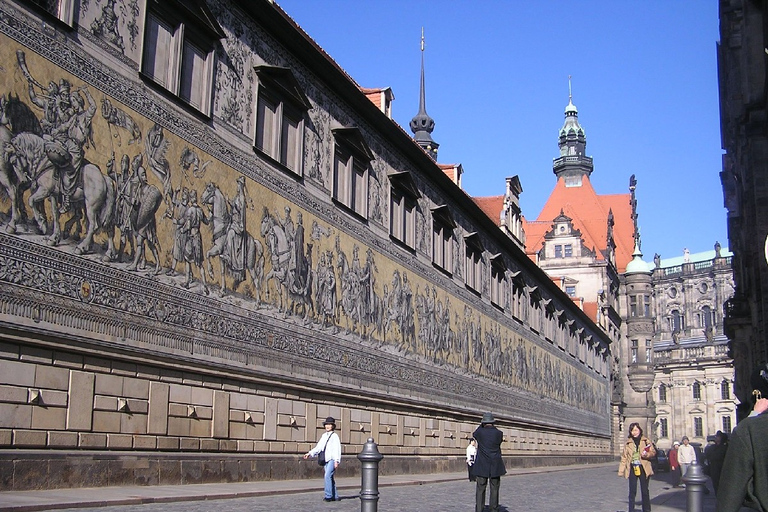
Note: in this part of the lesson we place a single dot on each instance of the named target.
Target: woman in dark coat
(488, 466)
(715, 456)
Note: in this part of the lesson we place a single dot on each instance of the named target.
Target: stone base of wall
(23, 470)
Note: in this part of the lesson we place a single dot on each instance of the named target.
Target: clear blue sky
(644, 82)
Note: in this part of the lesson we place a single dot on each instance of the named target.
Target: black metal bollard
(369, 488)
(695, 485)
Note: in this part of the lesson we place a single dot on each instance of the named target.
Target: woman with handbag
(636, 465)
(328, 451)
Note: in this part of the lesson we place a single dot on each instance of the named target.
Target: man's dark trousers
(482, 481)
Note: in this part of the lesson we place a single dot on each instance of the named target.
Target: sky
(644, 80)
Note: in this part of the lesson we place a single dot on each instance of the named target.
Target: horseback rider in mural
(287, 225)
(156, 146)
(79, 133)
(234, 246)
(67, 130)
(48, 103)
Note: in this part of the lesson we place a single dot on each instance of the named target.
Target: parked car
(661, 461)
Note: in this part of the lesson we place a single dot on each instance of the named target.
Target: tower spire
(573, 163)
(637, 265)
(633, 205)
(421, 124)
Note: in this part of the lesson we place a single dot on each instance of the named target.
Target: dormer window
(473, 262)
(63, 10)
(351, 163)
(178, 50)
(280, 110)
(402, 208)
(498, 280)
(442, 238)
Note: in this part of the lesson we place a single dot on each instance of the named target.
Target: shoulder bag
(321, 456)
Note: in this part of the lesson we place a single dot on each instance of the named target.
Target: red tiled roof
(590, 309)
(453, 171)
(373, 94)
(589, 212)
(491, 206)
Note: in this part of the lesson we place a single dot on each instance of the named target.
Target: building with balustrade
(693, 386)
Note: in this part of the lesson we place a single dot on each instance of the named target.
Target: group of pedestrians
(738, 468)
(484, 460)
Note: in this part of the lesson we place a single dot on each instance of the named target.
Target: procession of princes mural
(149, 204)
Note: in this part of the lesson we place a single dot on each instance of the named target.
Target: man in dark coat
(744, 477)
(488, 466)
(715, 455)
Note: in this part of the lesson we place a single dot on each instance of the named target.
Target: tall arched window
(706, 314)
(698, 426)
(696, 391)
(725, 390)
(663, 427)
(662, 393)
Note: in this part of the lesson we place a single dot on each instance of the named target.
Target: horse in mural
(279, 249)
(291, 284)
(27, 158)
(237, 252)
(15, 117)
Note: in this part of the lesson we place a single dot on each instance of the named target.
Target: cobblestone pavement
(589, 489)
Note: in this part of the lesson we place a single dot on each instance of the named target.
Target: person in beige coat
(636, 465)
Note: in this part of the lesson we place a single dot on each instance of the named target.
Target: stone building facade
(694, 383)
(212, 238)
(664, 318)
(744, 133)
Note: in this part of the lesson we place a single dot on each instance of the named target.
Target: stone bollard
(369, 488)
(695, 485)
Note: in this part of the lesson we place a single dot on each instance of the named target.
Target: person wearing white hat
(328, 450)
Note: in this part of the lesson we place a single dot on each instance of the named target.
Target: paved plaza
(572, 489)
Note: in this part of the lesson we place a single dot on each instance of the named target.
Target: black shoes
(328, 499)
